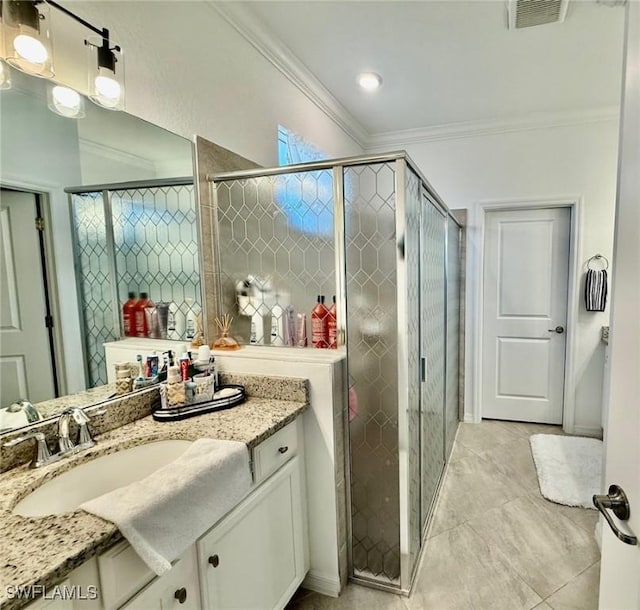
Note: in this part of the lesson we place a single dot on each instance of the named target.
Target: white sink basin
(66, 492)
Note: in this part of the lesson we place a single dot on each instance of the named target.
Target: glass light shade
(27, 37)
(5, 76)
(65, 101)
(106, 82)
(369, 81)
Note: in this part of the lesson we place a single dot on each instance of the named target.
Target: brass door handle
(616, 500)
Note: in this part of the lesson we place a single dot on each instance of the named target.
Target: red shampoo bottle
(129, 316)
(332, 325)
(320, 324)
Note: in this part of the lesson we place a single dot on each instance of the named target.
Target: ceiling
(446, 62)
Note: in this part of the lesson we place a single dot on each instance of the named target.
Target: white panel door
(25, 363)
(526, 266)
(620, 566)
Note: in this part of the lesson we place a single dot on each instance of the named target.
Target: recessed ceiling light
(369, 81)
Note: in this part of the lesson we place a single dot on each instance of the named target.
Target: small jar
(124, 383)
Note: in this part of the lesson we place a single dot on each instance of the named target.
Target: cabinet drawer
(269, 455)
(178, 589)
(122, 574)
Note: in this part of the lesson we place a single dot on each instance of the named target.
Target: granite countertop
(43, 550)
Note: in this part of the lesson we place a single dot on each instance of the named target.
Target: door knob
(616, 500)
(557, 329)
(181, 595)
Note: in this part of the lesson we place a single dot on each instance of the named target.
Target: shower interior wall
(372, 231)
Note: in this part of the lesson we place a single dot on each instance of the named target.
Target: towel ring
(598, 257)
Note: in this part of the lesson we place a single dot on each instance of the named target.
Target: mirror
(90, 209)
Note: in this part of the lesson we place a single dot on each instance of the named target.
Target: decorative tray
(226, 397)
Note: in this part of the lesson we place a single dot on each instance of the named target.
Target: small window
(293, 148)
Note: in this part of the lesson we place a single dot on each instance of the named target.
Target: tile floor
(495, 542)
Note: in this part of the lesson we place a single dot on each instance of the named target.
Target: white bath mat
(569, 468)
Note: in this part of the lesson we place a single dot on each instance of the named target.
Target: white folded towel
(166, 512)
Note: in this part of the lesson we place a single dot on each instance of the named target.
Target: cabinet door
(178, 589)
(254, 559)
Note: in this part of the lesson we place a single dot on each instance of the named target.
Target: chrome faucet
(43, 455)
(84, 437)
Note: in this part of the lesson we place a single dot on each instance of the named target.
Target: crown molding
(245, 22)
(115, 154)
(469, 129)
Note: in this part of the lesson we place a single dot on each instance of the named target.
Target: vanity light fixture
(65, 101)
(28, 47)
(369, 81)
(106, 72)
(27, 37)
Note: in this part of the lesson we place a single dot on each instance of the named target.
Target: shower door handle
(616, 500)
(423, 369)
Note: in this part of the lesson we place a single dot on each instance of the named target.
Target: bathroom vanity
(255, 556)
(323, 427)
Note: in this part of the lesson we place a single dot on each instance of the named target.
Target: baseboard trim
(595, 431)
(321, 583)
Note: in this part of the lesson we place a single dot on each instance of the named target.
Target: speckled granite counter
(42, 551)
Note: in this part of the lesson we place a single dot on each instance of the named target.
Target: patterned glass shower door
(140, 239)
(372, 332)
(432, 337)
(94, 281)
(453, 334)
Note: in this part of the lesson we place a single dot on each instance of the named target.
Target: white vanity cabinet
(177, 589)
(256, 557)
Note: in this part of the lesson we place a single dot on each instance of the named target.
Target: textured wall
(189, 71)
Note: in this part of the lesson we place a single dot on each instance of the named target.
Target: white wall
(190, 72)
(560, 162)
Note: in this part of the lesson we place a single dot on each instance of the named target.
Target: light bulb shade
(369, 81)
(65, 101)
(27, 37)
(5, 76)
(106, 74)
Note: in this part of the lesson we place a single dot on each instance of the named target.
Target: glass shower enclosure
(372, 231)
(131, 237)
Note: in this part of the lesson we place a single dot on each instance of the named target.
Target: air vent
(527, 13)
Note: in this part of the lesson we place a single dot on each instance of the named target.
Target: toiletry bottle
(257, 328)
(176, 393)
(142, 328)
(290, 321)
(332, 323)
(319, 324)
(128, 315)
(277, 325)
(190, 327)
(301, 330)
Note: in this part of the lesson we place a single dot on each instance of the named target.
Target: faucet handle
(43, 455)
(84, 436)
(79, 416)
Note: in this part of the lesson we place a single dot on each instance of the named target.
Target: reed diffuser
(225, 341)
